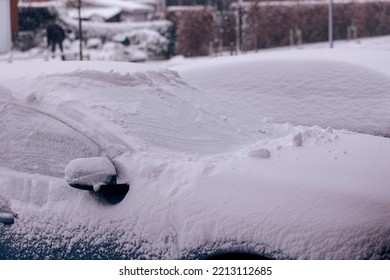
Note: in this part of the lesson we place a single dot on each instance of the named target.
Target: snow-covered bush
(94, 43)
(153, 37)
(109, 51)
(150, 40)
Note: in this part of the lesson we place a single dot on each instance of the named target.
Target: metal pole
(331, 23)
(238, 26)
(80, 31)
(5, 23)
(163, 5)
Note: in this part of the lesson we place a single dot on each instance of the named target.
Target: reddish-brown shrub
(269, 24)
(194, 29)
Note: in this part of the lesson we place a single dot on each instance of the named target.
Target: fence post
(354, 32)
(298, 34)
(291, 35)
(331, 23)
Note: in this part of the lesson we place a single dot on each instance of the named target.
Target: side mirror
(7, 216)
(95, 174)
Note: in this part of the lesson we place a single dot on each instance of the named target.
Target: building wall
(5, 23)
(14, 17)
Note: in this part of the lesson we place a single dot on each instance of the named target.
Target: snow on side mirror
(95, 174)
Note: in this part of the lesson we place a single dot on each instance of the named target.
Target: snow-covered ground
(222, 154)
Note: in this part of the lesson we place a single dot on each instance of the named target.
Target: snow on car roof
(87, 13)
(334, 88)
(126, 6)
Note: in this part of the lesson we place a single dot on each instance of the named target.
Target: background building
(5, 23)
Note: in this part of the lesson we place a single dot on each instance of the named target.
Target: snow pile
(155, 108)
(148, 39)
(295, 137)
(95, 171)
(136, 45)
(260, 153)
(95, 14)
(110, 29)
(297, 140)
(121, 41)
(94, 43)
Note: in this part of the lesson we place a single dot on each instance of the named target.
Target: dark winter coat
(55, 34)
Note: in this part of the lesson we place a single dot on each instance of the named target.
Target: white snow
(94, 43)
(93, 13)
(297, 140)
(127, 6)
(260, 153)
(93, 171)
(208, 167)
(110, 29)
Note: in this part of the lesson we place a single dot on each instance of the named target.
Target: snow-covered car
(277, 154)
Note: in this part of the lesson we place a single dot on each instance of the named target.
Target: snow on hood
(5, 94)
(209, 171)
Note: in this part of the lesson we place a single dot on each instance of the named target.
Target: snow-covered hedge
(194, 29)
(110, 29)
(269, 24)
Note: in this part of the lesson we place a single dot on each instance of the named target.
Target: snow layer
(95, 13)
(301, 88)
(208, 171)
(34, 141)
(110, 29)
(127, 6)
(93, 171)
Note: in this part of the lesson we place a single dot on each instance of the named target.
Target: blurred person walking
(55, 36)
